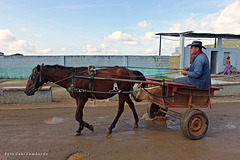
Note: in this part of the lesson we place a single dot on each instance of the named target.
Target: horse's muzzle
(30, 92)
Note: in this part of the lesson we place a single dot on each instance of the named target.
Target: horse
(83, 89)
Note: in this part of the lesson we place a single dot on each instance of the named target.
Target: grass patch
(54, 85)
(168, 78)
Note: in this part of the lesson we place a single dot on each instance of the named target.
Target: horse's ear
(38, 67)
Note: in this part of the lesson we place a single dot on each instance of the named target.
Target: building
(217, 55)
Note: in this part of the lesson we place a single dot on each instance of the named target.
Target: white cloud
(62, 49)
(224, 21)
(37, 36)
(95, 49)
(124, 38)
(113, 51)
(150, 51)
(119, 36)
(131, 43)
(45, 51)
(175, 28)
(149, 36)
(21, 46)
(144, 24)
(9, 43)
(24, 29)
(7, 36)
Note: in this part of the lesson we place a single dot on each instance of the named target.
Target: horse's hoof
(77, 134)
(135, 126)
(109, 131)
(91, 128)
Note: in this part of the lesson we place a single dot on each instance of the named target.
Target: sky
(107, 27)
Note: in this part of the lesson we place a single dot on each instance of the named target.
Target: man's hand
(186, 68)
(184, 73)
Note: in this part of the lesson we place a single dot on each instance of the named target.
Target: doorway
(213, 68)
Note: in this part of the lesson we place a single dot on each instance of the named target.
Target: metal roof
(201, 35)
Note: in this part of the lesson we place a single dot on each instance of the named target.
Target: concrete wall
(21, 66)
(174, 63)
(16, 95)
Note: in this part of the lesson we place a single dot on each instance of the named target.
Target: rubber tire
(152, 109)
(188, 117)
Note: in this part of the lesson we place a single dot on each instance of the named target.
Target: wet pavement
(50, 132)
(45, 131)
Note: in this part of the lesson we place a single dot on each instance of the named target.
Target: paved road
(49, 133)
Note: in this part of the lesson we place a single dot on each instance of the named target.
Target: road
(50, 132)
(46, 131)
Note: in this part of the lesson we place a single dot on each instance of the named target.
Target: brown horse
(63, 76)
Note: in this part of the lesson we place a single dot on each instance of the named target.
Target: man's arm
(197, 70)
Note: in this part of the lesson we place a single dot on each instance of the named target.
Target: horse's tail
(137, 87)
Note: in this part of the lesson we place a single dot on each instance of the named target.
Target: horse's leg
(79, 115)
(132, 106)
(120, 111)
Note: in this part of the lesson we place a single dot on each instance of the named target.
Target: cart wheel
(194, 124)
(153, 110)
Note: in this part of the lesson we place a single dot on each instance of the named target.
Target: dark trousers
(183, 80)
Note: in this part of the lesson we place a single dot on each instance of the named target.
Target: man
(198, 73)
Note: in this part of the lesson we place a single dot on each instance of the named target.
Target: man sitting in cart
(198, 74)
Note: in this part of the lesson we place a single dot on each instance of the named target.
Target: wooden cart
(167, 94)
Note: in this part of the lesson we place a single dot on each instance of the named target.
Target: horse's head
(35, 80)
(139, 94)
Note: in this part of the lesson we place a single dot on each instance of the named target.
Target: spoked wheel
(154, 110)
(194, 124)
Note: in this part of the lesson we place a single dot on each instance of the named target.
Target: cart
(167, 95)
(164, 95)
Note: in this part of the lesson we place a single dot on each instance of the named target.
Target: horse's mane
(74, 69)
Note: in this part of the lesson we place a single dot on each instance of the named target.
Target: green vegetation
(54, 85)
(227, 43)
(164, 77)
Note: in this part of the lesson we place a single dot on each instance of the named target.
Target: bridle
(35, 78)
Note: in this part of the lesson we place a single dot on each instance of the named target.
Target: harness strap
(91, 72)
(156, 95)
(78, 90)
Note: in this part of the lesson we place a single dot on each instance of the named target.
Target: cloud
(37, 36)
(95, 49)
(45, 51)
(9, 43)
(62, 49)
(7, 36)
(149, 36)
(175, 28)
(21, 46)
(124, 38)
(119, 36)
(144, 24)
(131, 43)
(150, 51)
(228, 20)
(224, 21)
(24, 29)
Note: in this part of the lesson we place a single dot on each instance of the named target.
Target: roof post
(181, 49)
(219, 44)
(160, 45)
